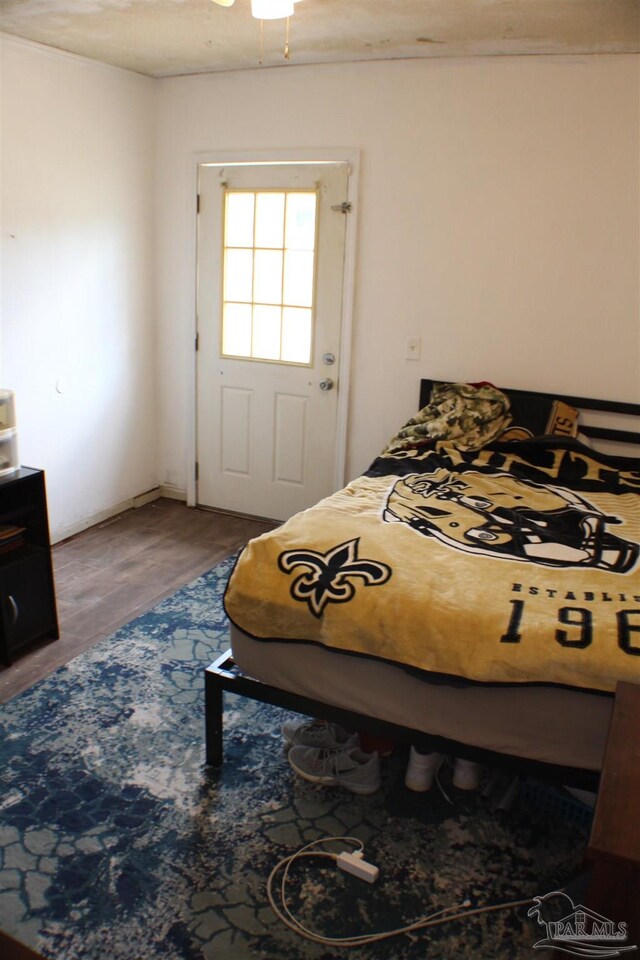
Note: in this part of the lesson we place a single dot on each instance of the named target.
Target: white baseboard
(147, 497)
(173, 493)
(63, 533)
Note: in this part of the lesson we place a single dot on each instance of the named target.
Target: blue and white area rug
(117, 843)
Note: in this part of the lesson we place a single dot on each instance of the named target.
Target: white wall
(498, 220)
(77, 271)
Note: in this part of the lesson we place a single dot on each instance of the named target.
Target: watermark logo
(579, 931)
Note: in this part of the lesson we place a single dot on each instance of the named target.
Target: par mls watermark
(580, 932)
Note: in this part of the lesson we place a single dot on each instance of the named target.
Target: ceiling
(163, 38)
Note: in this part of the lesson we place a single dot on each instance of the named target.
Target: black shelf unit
(27, 590)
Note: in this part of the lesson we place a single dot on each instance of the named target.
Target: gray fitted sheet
(550, 724)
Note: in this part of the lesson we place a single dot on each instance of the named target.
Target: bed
(476, 591)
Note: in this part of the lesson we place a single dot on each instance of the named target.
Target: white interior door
(271, 241)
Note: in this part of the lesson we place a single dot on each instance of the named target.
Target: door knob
(326, 384)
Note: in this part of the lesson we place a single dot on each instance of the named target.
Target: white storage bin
(8, 451)
(8, 433)
(7, 410)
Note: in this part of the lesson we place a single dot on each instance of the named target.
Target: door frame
(253, 158)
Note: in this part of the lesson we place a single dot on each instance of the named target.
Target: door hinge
(197, 342)
(198, 203)
(345, 207)
(197, 471)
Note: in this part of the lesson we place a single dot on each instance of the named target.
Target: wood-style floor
(114, 571)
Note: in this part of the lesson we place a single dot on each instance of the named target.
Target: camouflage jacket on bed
(466, 415)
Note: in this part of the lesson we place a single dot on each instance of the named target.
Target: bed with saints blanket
(479, 584)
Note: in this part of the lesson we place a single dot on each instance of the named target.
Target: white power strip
(355, 864)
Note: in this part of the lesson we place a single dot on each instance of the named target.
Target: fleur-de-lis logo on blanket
(329, 575)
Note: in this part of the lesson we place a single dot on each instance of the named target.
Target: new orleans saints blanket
(515, 564)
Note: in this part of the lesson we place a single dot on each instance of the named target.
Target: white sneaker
(317, 733)
(466, 774)
(350, 768)
(421, 770)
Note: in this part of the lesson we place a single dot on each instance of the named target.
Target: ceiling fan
(265, 9)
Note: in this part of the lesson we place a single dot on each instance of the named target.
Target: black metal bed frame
(224, 676)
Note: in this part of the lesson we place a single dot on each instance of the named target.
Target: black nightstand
(27, 592)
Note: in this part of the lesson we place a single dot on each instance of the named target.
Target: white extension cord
(353, 862)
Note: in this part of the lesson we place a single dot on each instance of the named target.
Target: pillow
(536, 416)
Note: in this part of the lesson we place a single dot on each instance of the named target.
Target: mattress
(516, 564)
(551, 724)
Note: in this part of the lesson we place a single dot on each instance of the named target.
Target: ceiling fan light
(224, 3)
(271, 9)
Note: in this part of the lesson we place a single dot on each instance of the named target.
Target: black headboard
(580, 403)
